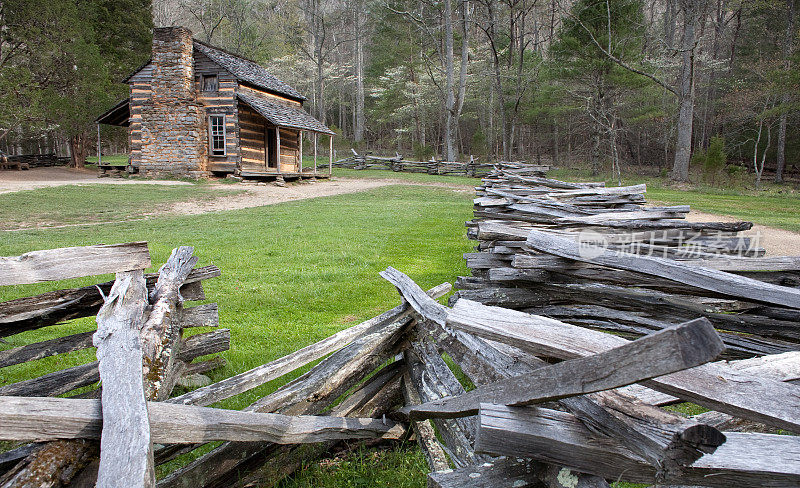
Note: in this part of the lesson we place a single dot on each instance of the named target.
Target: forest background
(681, 88)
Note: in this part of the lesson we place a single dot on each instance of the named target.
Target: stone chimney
(173, 127)
(173, 63)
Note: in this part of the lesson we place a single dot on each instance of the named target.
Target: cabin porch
(271, 139)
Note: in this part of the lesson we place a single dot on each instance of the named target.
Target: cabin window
(210, 83)
(216, 135)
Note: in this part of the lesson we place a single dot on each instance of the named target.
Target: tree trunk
(787, 64)
(450, 99)
(683, 147)
(555, 141)
(498, 80)
(709, 113)
(79, 150)
(669, 24)
(358, 129)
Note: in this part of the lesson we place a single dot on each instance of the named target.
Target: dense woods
(665, 86)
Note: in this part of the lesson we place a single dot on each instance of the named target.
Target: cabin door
(270, 143)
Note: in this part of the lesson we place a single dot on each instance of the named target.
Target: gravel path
(777, 242)
(11, 180)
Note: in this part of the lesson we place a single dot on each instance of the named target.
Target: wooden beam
(126, 454)
(62, 418)
(73, 262)
(205, 315)
(539, 433)
(275, 369)
(55, 383)
(50, 308)
(315, 153)
(330, 157)
(662, 438)
(68, 379)
(161, 332)
(99, 147)
(45, 349)
(309, 394)
(416, 297)
(375, 398)
(513, 473)
(704, 278)
(203, 344)
(714, 386)
(300, 143)
(433, 380)
(482, 362)
(684, 346)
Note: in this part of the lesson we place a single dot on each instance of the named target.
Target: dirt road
(46, 177)
(777, 242)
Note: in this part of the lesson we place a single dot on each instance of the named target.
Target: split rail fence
(472, 168)
(558, 401)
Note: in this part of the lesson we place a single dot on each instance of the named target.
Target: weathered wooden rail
(472, 168)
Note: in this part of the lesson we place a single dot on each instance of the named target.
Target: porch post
(315, 154)
(330, 158)
(278, 137)
(300, 141)
(99, 151)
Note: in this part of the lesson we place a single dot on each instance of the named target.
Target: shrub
(711, 160)
(422, 152)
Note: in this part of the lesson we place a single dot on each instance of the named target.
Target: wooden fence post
(126, 453)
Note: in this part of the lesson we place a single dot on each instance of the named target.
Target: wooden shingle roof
(282, 115)
(248, 71)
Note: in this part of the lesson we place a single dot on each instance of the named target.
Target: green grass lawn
(370, 174)
(73, 204)
(292, 274)
(112, 159)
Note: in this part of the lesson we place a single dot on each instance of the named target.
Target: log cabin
(197, 110)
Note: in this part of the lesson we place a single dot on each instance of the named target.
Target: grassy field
(292, 274)
(73, 204)
(113, 159)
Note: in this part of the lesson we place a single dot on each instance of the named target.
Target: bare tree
(691, 10)
(788, 44)
(358, 24)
